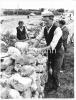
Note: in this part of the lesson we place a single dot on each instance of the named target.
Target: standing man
(65, 33)
(21, 31)
(53, 37)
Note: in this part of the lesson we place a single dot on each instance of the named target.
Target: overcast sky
(35, 4)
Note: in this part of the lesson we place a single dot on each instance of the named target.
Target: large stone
(4, 93)
(14, 52)
(26, 70)
(25, 60)
(5, 62)
(9, 70)
(7, 93)
(20, 83)
(22, 46)
(13, 94)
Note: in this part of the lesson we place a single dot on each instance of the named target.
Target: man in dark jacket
(21, 31)
(53, 37)
(65, 33)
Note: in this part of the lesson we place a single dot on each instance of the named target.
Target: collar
(21, 29)
(50, 28)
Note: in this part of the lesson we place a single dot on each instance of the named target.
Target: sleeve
(40, 36)
(17, 32)
(57, 36)
(25, 29)
(26, 32)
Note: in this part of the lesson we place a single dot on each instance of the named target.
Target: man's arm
(39, 37)
(57, 36)
(26, 32)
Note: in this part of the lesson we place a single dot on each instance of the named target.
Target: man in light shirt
(53, 37)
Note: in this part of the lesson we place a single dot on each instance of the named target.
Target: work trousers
(54, 62)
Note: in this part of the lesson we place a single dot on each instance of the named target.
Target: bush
(8, 39)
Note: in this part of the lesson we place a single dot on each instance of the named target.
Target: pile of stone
(23, 74)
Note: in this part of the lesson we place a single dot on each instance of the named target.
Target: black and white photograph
(37, 49)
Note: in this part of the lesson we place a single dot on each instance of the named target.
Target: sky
(36, 4)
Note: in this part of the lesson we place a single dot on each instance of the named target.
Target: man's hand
(36, 42)
(44, 50)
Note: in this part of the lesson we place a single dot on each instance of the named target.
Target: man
(21, 31)
(65, 33)
(53, 36)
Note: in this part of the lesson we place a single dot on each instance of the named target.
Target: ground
(66, 89)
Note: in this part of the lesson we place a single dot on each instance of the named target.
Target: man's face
(21, 24)
(48, 21)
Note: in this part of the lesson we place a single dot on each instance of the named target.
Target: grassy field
(66, 89)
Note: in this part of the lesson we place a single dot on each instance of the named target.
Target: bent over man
(53, 37)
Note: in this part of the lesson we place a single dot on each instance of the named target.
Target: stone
(14, 52)
(26, 70)
(27, 93)
(4, 93)
(14, 94)
(5, 62)
(39, 68)
(22, 46)
(20, 83)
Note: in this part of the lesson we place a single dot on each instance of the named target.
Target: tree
(60, 10)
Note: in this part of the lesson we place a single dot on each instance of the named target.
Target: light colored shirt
(57, 36)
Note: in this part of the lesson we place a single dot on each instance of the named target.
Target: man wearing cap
(53, 37)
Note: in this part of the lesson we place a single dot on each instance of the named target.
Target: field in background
(11, 22)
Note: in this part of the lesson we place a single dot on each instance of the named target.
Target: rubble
(14, 94)
(23, 73)
(26, 70)
(4, 93)
(22, 46)
(20, 83)
(14, 52)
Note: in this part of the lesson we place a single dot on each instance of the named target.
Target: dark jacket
(49, 36)
(21, 35)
